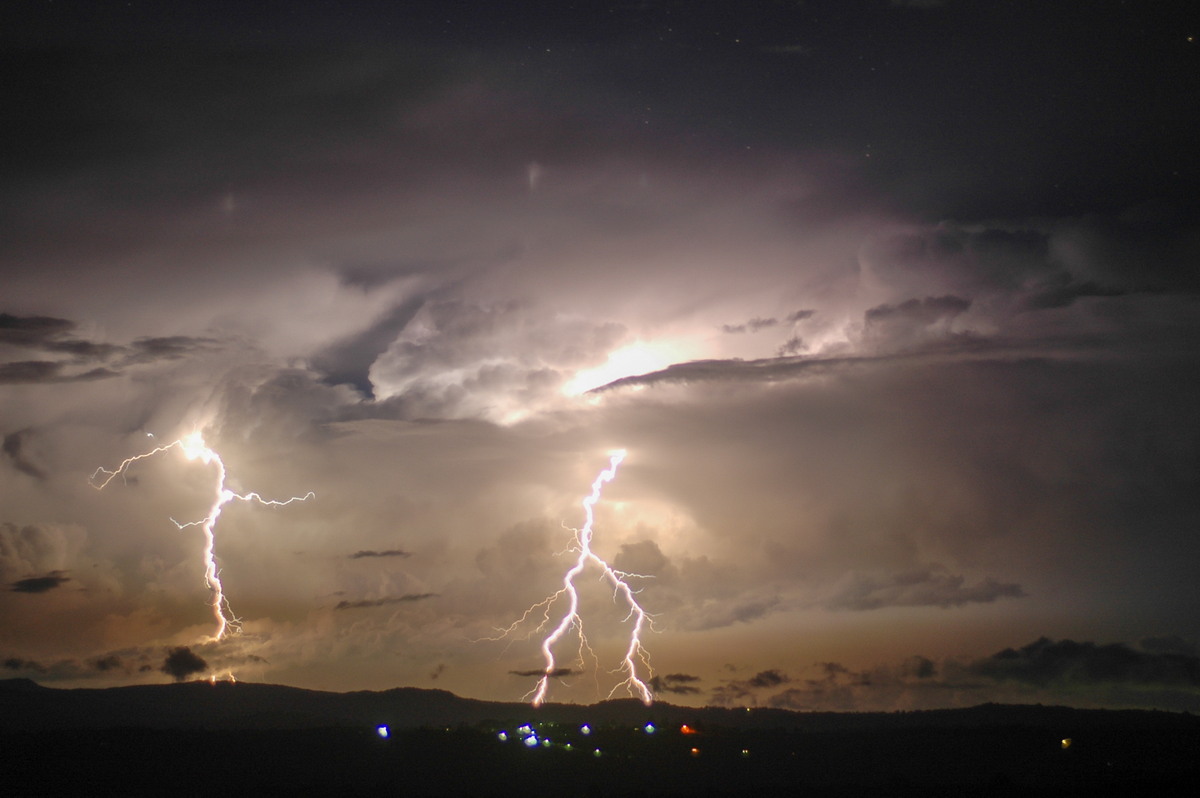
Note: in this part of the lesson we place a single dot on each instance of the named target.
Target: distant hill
(207, 739)
(27, 706)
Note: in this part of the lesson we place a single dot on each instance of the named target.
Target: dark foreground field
(983, 751)
(1010, 761)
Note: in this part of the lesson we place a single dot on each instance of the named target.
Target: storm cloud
(182, 662)
(898, 382)
(40, 584)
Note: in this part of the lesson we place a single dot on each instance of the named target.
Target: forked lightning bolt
(582, 546)
(194, 448)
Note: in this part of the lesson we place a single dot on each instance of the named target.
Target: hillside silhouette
(199, 738)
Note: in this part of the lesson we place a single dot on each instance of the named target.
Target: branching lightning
(194, 448)
(571, 620)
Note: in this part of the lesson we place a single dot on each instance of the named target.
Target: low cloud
(1158, 673)
(677, 683)
(367, 553)
(47, 371)
(1046, 662)
(40, 584)
(382, 602)
(769, 678)
(553, 674)
(747, 690)
(107, 663)
(182, 662)
(912, 322)
(14, 446)
(171, 347)
(930, 586)
(752, 326)
(85, 360)
(48, 334)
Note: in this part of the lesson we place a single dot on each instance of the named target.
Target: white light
(382, 731)
(637, 358)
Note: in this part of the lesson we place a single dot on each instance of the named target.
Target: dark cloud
(754, 325)
(25, 371)
(18, 664)
(930, 586)
(553, 674)
(49, 335)
(771, 678)
(166, 348)
(913, 321)
(368, 278)
(1061, 291)
(47, 371)
(738, 690)
(34, 332)
(382, 602)
(1172, 644)
(349, 361)
(14, 447)
(921, 667)
(40, 584)
(676, 683)
(791, 347)
(106, 663)
(182, 662)
(1046, 662)
(365, 553)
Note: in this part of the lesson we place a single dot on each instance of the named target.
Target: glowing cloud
(194, 448)
(637, 358)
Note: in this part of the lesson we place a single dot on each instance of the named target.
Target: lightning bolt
(571, 619)
(194, 448)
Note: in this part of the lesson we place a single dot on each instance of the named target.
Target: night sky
(892, 304)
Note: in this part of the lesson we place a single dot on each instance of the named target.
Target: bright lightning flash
(194, 448)
(582, 546)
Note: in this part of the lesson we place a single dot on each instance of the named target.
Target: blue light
(382, 731)
(503, 736)
(649, 728)
(531, 740)
(585, 729)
